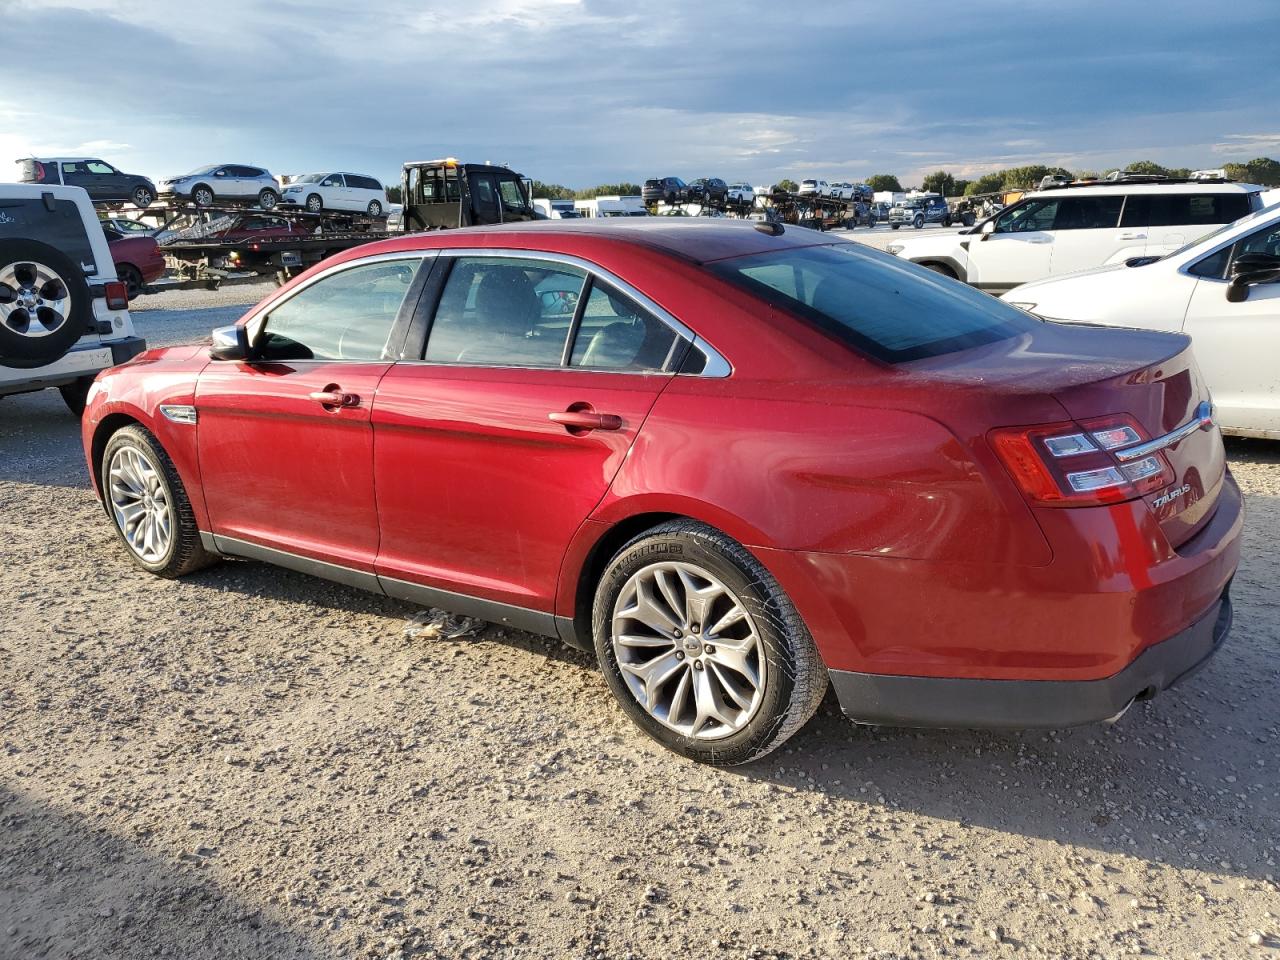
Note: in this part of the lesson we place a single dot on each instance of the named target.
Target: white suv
(1078, 227)
(1222, 290)
(336, 191)
(819, 187)
(64, 315)
(741, 193)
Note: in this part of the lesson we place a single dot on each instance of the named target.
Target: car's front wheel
(148, 504)
(202, 196)
(919, 223)
(701, 646)
(314, 203)
(142, 197)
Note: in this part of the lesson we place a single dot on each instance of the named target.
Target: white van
(352, 192)
(68, 315)
(616, 206)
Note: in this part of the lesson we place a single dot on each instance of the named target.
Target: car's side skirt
(519, 618)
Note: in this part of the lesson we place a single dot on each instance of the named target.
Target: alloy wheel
(140, 504)
(688, 650)
(34, 299)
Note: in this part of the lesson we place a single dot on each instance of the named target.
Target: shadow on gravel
(253, 579)
(1248, 450)
(75, 890)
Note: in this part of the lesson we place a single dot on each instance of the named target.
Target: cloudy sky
(587, 91)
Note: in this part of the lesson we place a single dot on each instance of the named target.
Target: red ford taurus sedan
(736, 461)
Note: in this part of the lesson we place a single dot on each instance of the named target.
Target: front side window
(333, 180)
(505, 311)
(616, 333)
(1029, 217)
(345, 316)
(512, 195)
(891, 310)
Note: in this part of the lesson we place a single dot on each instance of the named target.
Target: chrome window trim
(716, 365)
(253, 326)
(1201, 420)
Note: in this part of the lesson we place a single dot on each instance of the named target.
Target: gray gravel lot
(251, 763)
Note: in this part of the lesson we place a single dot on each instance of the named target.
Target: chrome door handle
(582, 421)
(331, 396)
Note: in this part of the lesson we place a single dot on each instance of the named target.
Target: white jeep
(64, 316)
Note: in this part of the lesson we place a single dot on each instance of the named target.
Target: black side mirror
(1249, 270)
(230, 343)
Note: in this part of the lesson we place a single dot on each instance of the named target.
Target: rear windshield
(889, 308)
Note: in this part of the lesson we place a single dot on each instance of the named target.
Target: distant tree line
(1263, 171)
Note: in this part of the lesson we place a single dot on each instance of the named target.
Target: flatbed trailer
(197, 256)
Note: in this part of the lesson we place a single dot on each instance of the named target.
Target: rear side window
(883, 306)
(363, 183)
(498, 311)
(616, 333)
(1183, 209)
(1087, 213)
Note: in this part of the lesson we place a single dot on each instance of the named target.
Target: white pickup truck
(64, 315)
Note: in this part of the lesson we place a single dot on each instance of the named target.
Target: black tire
(795, 676)
(968, 219)
(268, 198)
(202, 195)
(918, 223)
(19, 260)
(75, 394)
(894, 226)
(941, 268)
(185, 553)
(314, 203)
(374, 209)
(142, 196)
(946, 221)
(131, 277)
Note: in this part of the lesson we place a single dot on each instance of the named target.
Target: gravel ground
(251, 763)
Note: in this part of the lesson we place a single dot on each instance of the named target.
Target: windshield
(311, 178)
(893, 310)
(204, 171)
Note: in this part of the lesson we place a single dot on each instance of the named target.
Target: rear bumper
(939, 702)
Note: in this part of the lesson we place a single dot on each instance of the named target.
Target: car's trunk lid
(1095, 372)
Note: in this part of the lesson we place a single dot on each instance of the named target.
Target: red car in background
(257, 226)
(138, 260)
(738, 462)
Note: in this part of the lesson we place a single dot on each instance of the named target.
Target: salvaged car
(738, 461)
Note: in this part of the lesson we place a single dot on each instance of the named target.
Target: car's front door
(333, 193)
(285, 443)
(492, 452)
(1237, 344)
(1018, 250)
(1085, 234)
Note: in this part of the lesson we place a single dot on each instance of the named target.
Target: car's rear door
(1085, 233)
(1176, 219)
(494, 449)
(285, 443)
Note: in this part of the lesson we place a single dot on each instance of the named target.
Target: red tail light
(40, 172)
(117, 295)
(1072, 464)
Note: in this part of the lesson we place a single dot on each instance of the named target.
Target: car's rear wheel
(374, 209)
(148, 505)
(131, 277)
(268, 198)
(44, 304)
(701, 646)
(202, 196)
